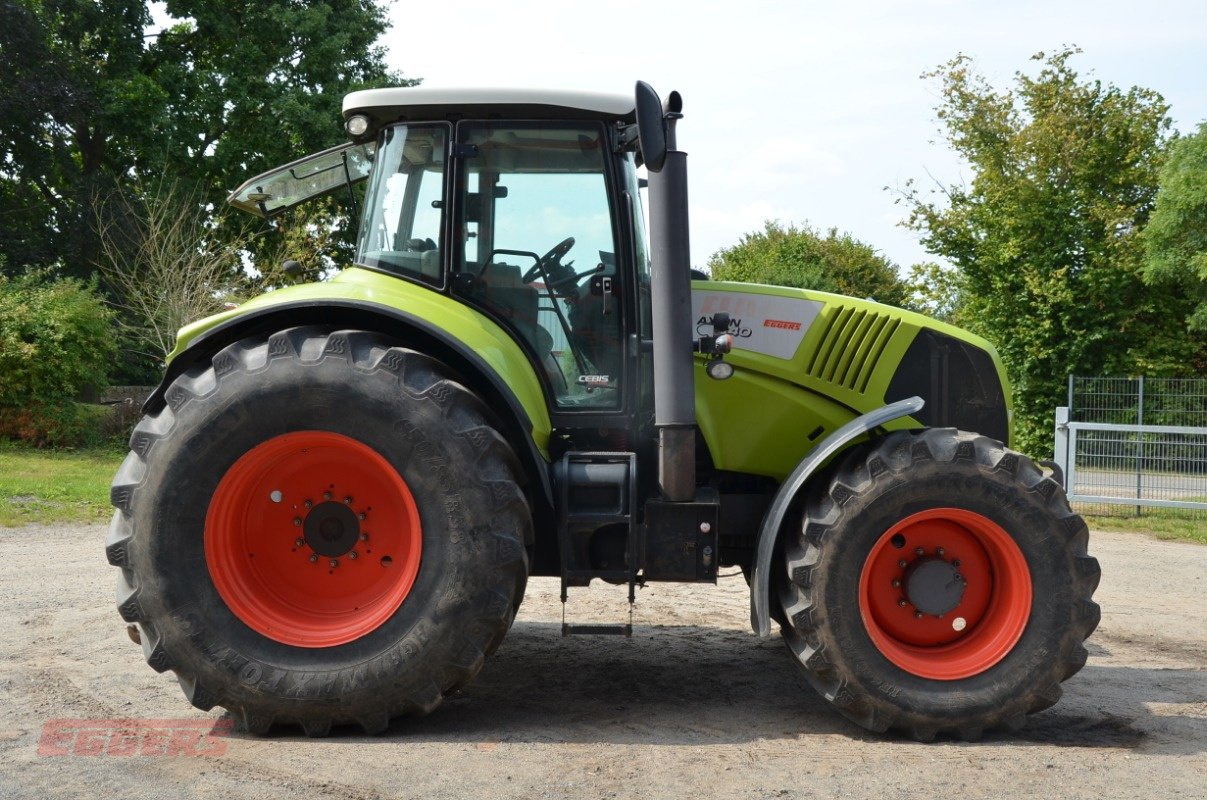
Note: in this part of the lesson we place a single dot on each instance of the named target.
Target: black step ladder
(596, 490)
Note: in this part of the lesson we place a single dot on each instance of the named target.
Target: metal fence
(1138, 442)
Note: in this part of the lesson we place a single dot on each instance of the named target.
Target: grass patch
(1178, 525)
(44, 486)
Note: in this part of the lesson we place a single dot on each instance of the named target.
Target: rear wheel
(319, 528)
(940, 584)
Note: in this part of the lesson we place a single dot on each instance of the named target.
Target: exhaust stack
(674, 390)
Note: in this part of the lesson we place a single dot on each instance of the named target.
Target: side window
(404, 209)
(540, 251)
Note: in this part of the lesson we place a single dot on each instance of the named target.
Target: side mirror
(651, 127)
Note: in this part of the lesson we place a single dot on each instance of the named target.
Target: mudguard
(760, 582)
(483, 353)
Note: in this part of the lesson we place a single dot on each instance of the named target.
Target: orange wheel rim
(313, 539)
(945, 594)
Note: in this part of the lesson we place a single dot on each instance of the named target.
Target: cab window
(540, 252)
(404, 208)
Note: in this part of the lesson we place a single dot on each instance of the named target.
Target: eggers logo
(782, 324)
(134, 737)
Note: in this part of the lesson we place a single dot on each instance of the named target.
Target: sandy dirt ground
(693, 705)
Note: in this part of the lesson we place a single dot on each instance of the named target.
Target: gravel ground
(693, 704)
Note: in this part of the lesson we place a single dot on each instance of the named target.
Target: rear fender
(526, 425)
(773, 522)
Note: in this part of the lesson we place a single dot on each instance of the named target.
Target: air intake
(851, 343)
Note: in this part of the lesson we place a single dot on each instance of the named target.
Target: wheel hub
(331, 529)
(313, 539)
(945, 593)
(933, 586)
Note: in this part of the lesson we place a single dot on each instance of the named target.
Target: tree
(1176, 237)
(90, 99)
(167, 263)
(1045, 237)
(936, 291)
(803, 258)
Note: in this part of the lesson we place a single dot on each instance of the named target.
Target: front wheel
(319, 528)
(939, 584)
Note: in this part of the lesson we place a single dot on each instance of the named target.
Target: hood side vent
(850, 346)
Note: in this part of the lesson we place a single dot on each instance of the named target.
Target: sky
(802, 111)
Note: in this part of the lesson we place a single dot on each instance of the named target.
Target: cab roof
(414, 103)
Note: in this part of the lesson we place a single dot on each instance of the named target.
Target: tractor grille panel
(850, 346)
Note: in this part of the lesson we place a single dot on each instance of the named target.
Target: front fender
(773, 521)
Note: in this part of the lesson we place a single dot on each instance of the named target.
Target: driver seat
(509, 297)
(504, 292)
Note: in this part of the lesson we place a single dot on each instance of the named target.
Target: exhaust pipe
(670, 289)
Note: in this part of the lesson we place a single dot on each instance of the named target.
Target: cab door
(536, 247)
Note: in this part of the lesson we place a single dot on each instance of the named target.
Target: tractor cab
(528, 210)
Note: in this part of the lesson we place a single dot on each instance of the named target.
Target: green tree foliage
(1176, 237)
(936, 291)
(804, 258)
(232, 87)
(56, 340)
(1045, 237)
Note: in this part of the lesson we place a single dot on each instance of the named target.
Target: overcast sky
(801, 111)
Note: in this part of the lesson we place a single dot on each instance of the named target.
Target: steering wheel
(549, 261)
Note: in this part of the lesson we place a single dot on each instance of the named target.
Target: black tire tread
(891, 459)
(421, 377)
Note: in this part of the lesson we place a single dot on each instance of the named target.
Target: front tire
(319, 528)
(939, 585)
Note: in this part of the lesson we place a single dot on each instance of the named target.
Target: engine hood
(806, 362)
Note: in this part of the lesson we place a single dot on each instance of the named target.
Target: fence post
(1060, 449)
(1140, 445)
(1069, 404)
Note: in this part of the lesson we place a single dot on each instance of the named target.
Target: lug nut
(901, 602)
(940, 550)
(314, 557)
(896, 583)
(299, 541)
(361, 516)
(956, 563)
(297, 522)
(902, 564)
(352, 555)
(917, 615)
(308, 503)
(333, 563)
(348, 500)
(326, 495)
(919, 551)
(364, 537)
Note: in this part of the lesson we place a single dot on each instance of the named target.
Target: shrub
(56, 341)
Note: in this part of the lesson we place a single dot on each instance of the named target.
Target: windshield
(280, 189)
(404, 205)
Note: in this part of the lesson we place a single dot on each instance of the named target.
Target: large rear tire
(319, 528)
(939, 585)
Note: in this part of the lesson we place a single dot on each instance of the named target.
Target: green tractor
(335, 498)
